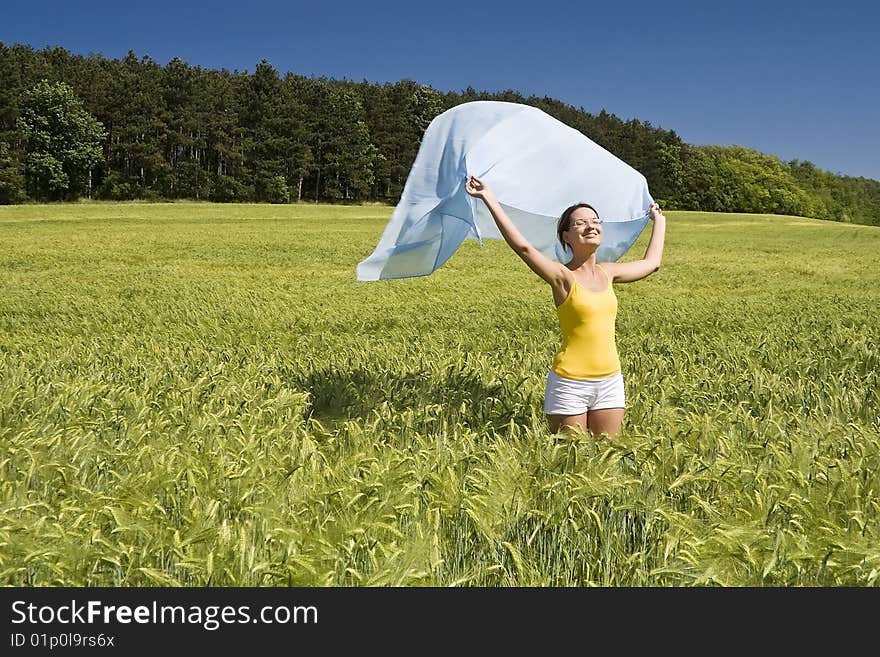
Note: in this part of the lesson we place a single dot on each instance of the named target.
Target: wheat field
(203, 394)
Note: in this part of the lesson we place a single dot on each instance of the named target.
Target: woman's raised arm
(627, 272)
(551, 271)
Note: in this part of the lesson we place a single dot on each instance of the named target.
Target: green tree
(182, 136)
(396, 117)
(343, 154)
(136, 120)
(62, 141)
(11, 180)
(277, 156)
(426, 104)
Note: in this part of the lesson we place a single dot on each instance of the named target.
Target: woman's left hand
(655, 212)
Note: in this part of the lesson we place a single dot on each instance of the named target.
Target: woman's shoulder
(609, 269)
(562, 283)
(567, 276)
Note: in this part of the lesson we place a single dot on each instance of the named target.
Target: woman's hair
(565, 220)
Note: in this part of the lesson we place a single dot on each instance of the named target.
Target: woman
(585, 385)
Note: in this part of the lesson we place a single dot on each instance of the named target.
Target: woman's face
(585, 227)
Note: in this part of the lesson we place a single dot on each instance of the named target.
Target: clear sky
(799, 80)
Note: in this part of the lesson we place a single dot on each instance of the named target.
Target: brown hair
(565, 220)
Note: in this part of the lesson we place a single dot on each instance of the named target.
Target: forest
(74, 127)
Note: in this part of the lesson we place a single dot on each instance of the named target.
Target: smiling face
(584, 227)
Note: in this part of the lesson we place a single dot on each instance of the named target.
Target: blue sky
(792, 79)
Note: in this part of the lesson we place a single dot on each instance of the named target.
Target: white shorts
(575, 396)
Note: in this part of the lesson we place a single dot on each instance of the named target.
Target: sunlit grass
(197, 394)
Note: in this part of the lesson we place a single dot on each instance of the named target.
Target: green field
(197, 394)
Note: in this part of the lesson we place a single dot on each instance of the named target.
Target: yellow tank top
(587, 321)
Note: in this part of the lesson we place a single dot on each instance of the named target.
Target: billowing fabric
(536, 165)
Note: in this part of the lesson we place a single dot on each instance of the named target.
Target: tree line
(75, 126)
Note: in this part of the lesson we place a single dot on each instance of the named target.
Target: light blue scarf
(536, 166)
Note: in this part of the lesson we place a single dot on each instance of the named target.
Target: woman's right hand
(477, 188)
